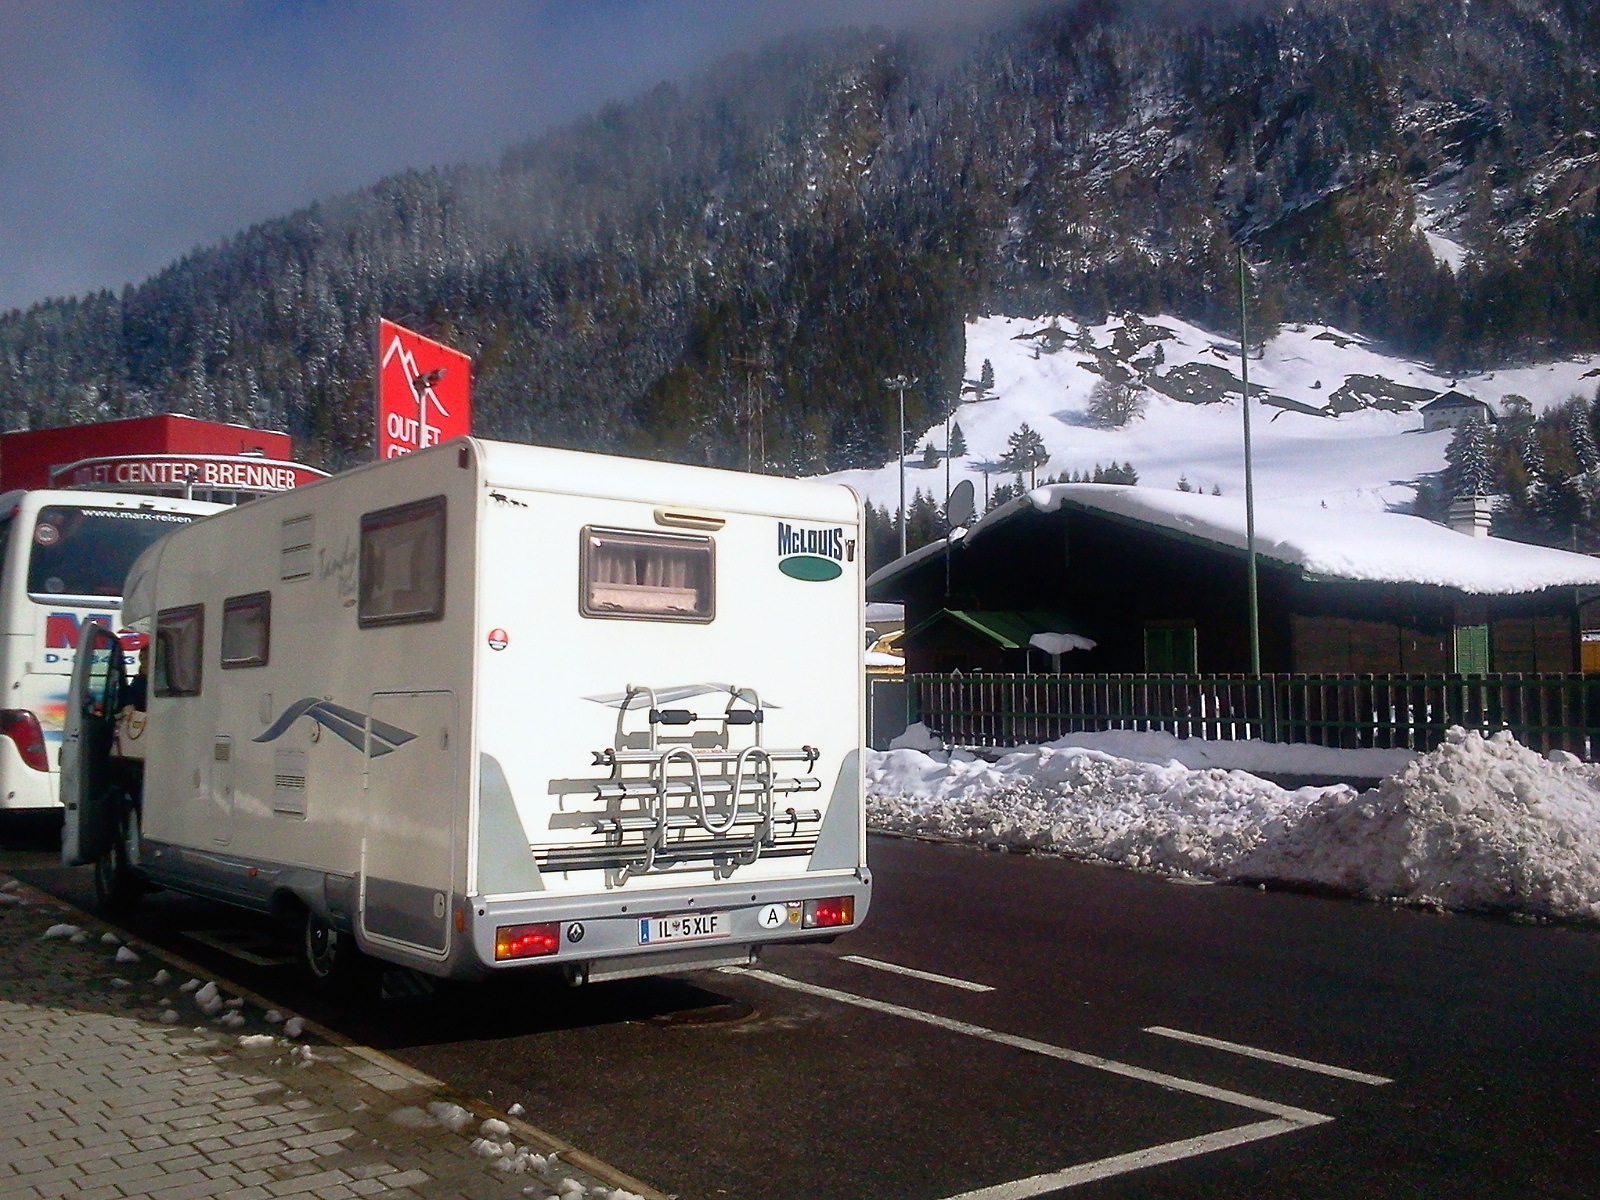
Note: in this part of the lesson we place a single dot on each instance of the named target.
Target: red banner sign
(424, 391)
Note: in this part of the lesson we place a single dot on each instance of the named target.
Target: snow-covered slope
(1334, 423)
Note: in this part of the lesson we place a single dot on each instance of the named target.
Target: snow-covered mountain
(1334, 421)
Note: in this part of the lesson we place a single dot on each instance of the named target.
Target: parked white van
(491, 705)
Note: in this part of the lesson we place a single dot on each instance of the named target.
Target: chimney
(1470, 515)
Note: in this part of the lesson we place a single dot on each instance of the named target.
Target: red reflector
(22, 727)
(527, 941)
(820, 914)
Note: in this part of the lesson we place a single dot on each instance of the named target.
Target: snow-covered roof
(1452, 400)
(1325, 544)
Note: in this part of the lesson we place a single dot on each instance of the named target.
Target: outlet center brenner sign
(424, 392)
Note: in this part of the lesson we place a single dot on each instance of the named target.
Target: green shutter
(1472, 649)
(1169, 649)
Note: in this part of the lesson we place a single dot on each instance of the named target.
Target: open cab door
(91, 824)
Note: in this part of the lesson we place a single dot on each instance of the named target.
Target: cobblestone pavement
(119, 1078)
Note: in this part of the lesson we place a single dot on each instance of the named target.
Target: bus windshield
(88, 551)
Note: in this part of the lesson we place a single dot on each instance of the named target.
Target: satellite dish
(961, 507)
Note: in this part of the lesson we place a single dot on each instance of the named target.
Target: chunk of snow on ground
(162, 977)
(452, 1116)
(412, 1118)
(110, 939)
(274, 1017)
(125, 955)
(294, 1027)
(118, 982)
(169, 1016)
(917, 736)
(231, 1020)
(78, 938)
(60, 931)
(258, 1042)
(485, 1148)
(192, 985)
(493, 1127)
(516, 1110)
(11, 885)
(10, 898)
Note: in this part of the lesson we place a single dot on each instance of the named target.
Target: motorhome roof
(510, 465)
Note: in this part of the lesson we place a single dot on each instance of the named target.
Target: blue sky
(132, 132)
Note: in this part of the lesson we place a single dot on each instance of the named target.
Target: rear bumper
(606, 936)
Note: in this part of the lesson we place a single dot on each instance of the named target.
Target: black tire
(117, 884)
(331, 958)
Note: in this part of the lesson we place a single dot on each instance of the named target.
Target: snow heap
(1480, 823)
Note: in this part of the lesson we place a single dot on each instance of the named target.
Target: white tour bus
(63, 558)
(491, 705)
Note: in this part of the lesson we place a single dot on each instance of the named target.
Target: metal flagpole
(1249, 480)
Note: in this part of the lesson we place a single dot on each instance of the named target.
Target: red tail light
(527, 941)
(22, 727)
(823, 914)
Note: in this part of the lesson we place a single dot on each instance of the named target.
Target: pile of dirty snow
(1480, 823)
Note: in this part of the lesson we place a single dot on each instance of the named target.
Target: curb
(545, 1143)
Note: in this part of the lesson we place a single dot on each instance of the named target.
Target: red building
(164, 455)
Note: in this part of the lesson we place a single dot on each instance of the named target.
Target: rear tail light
(22, 727)
(527, 941)
(823, 914)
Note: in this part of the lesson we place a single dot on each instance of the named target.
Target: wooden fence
(1545, 712)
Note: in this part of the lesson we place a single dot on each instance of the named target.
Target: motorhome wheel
(330, 957)
(117, 885)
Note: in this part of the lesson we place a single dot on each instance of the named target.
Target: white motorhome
(491, 705)
(63, 558)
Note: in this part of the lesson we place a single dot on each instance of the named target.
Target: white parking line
(948, 980)
(1287, 1117)
(1121, 1164)
(1283, 1060)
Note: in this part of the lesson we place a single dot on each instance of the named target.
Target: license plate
(683, 927)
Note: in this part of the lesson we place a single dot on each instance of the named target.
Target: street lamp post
(1249, 481)
(900, 383)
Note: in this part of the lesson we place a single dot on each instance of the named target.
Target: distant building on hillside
(1132, 579)
(1452, 409)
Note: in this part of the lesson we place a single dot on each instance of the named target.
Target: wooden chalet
(1156, 581)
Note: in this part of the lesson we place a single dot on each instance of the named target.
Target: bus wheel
(331, 958)
(117, 885)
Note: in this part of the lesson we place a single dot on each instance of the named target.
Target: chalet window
(1169, 648)
(180, 639)
(647, 576)
(246, 630)
(402, 564)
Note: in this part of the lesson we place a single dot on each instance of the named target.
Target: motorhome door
(88, 730)
(408, 859)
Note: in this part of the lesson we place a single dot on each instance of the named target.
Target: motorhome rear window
(246, 630)
(402, 564)
(180, 638)
(648, 576)
(87, 551)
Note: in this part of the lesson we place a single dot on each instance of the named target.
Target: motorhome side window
(648, 576)
(402, 564)
(180, 638)
(246, 630)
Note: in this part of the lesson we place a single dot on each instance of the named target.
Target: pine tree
(1025, 452)
(1469, 465)
(958, 441)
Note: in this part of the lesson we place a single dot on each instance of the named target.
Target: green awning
(1008, 630)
